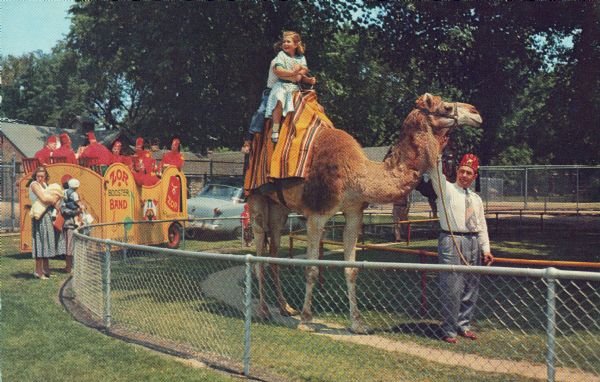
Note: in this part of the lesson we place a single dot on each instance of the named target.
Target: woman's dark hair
(33, 174)
(40, 169)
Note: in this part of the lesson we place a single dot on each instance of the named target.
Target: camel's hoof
(307, 327)
(288, 311)
(361, 329)
(264, 314)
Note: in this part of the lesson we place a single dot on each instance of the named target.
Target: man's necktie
(470, 218)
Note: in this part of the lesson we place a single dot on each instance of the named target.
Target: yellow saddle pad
(290, 157)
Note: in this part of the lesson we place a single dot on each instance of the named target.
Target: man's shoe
(450, 340)
(468, 334)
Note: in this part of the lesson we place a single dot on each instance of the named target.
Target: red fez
(64, 138)
(91, 137)
(51, 139)
(139, 142)
(65, 178)
(470, 160)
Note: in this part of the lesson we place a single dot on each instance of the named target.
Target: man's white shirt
(455, 204)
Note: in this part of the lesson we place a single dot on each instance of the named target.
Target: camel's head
(443, 116)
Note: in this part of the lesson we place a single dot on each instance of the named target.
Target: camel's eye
(448, 108)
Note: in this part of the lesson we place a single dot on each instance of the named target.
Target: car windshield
(218, 191)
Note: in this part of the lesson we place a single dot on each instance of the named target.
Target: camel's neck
(394, 178)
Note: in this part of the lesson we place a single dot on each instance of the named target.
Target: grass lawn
(161, 296)
(41, 342)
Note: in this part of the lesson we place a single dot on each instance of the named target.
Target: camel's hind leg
(351, 231)
(277, 219)
(315, 225)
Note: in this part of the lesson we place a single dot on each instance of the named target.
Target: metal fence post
(525, 203)
(13, 184)
(242, 233)
(551, 322)
(577, 190)
(547, 188)
(106, 287)
(247, 314)
(126, 241)
(183, 234)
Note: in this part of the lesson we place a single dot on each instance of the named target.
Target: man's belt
(460, 233)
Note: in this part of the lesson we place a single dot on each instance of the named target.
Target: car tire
(237, 232)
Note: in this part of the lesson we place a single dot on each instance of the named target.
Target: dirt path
(219, 286)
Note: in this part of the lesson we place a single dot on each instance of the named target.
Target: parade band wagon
(114, 197)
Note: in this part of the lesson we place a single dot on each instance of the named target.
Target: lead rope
(460, 255)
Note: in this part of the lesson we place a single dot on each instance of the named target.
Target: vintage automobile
(217, 208)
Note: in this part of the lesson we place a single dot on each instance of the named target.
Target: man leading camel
(463, 241)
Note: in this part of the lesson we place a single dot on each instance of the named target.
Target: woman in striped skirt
(43, 238)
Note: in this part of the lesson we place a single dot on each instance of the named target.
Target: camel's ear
(425, 101)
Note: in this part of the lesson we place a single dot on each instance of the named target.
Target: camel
(341, 178)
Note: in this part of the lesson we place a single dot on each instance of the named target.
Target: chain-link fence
(8, 194)
(541, 188)
(532, 323)
(572, 189)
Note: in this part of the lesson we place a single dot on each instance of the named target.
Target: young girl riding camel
(286, 71)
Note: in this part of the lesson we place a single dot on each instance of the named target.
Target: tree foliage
(197, 69)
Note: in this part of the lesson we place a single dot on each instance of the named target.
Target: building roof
(373, 153)
(28, 139)
(376, 154)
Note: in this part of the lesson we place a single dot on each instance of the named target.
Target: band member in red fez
(173, 157)
(470, 161)
(96, 150)
(117, 157)
(47, 152)
(144, 165)
(463, 240)
(65, 150)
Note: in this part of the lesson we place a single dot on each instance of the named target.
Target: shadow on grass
(19, 256)
(23, 276)
(421, 329)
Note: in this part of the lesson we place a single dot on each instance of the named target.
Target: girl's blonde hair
(295, 37)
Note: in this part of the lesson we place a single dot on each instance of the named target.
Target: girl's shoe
(246, 147)
(41, 277)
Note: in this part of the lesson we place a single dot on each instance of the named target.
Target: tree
(486, 53)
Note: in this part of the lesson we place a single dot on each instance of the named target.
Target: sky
(29, 25)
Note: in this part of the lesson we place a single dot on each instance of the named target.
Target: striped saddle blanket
(291, 156)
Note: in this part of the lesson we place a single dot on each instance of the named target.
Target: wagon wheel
(174, 235)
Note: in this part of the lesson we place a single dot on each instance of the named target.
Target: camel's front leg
(284, 308)
(260, 241)
(351, 231)
(259, 215)
(314, 227)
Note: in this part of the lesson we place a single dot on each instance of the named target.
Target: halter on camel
(454, 116)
